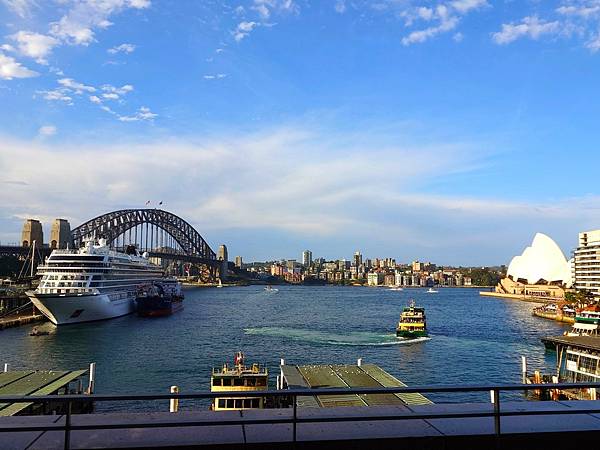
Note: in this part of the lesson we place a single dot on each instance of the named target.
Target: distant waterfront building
(417, 266)
(238, 262)
(60, 234)
(222, 254)
(306, 258)
(357, 259)
(586, 265)
(375, 278)
(32, 231)
(343, 264)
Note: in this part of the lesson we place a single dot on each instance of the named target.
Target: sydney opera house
(540, 271)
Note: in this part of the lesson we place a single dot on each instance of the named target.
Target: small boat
(37, 332)
(159, 300)
(432, 291)
(395, 288)
(270, 289)
(413, 323)
(239, 378)
(220, 284)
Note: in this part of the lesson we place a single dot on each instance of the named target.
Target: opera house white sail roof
(542, 261)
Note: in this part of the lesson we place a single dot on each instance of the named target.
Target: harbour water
(472, 339)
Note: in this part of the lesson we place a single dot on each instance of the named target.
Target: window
(261, 382)
(217, 382)
(221, 403)
(227, 381)
(238, 403)
(230, 403)
(238, 382)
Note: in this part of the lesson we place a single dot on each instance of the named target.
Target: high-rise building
(417, 266)
(32, 231)
(306, 258)
(586, 265)
(238, 261)
(60, 234)
(222, 254)
(357, 259)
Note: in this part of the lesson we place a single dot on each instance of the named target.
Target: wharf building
(586, 262)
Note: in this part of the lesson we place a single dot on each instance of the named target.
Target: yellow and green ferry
(239, 378)
(413, 323)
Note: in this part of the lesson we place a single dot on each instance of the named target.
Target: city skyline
(440, 131)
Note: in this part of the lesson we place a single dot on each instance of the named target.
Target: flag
(159, 203)
(148, 202)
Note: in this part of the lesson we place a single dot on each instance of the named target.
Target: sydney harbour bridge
(164, 236)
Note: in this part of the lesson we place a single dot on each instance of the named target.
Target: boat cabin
(236, 378)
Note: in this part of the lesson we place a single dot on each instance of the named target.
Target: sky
(445, 131)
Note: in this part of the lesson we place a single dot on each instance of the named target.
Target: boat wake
(357, 338)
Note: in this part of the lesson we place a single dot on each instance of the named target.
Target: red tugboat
(160, 299)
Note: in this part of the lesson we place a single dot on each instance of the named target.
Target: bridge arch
(112, 225)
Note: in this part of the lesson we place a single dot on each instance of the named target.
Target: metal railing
(497, 413)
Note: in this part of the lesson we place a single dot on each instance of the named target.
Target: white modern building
(543, 262)
(586, 262)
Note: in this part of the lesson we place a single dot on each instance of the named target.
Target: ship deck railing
(494, 410)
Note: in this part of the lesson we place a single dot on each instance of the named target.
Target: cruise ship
(91, 283)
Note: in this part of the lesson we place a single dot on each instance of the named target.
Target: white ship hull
(62, 310)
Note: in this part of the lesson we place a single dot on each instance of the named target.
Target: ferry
(412, 322)
(432, 291)
(591, 314)
(91, 283)
(239, 377)
(587, 323)
(160, 299)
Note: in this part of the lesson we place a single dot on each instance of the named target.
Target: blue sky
(448, 131)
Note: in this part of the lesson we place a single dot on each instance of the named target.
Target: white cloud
(447, 24)
(532, 27)
(125, 89)
(34, 45)
(265, 8)
(78, 25)
(20, 7)
(243, 29)
(95, 99)
(143, 113)
(217, 76)
(340, 6)
(464, 6)
(47, 130)
(61, 95)
(123, 48)
(111, 96)
(75, 86)
(440, 18)
(458, 37)
(9, 69)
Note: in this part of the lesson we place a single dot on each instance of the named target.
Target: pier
(346, 376)
(30, 383)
